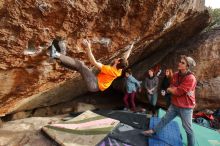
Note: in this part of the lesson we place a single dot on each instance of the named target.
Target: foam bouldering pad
(108, 141)
(136, 120)
(203, 136)
(86, 129)
(129, 135)
(169, 136)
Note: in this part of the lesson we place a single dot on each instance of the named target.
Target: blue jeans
(152, 99)
(186, 116)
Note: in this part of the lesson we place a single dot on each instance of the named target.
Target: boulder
(205, 49)
(31, 80)
(27, 132)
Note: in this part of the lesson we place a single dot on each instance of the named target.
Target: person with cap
(182, 89)
(107, 73)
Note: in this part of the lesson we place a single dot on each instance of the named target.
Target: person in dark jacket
(151, 86)
(132, 85)
(183, 99)
(165, 84)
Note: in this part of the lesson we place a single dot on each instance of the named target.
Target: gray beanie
(190, 61)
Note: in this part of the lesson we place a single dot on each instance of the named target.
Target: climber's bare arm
(92, 59)
(128, 52)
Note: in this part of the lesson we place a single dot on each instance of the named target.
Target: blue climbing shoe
(53, 51)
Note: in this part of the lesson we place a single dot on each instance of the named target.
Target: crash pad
(87, 129)
(203, 136)
(168, 136)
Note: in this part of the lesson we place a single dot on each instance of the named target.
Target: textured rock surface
(205, 50)
(102, 100)
(31, 81)
(27, 132)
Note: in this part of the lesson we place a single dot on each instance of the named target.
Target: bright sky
(212, 3)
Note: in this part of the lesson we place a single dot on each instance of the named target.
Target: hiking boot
(148, 133)
(134, 110)
(125, 109)
(143, 110)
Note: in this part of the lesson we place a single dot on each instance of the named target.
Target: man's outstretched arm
(128, 52)
(91, 56)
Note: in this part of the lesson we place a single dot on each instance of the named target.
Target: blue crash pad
(169, 136)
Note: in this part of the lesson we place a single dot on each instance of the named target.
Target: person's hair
(190, 61)
(123, 63)
(156, 68)
(128, 70)
(152, 71)
(170, 76)
(184, 58)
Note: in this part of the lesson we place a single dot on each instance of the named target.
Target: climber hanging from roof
(107, 73)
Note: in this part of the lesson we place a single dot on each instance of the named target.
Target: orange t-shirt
(107, 75)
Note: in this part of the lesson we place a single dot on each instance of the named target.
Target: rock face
(27, 132)
(30, 79)
(205, 49)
